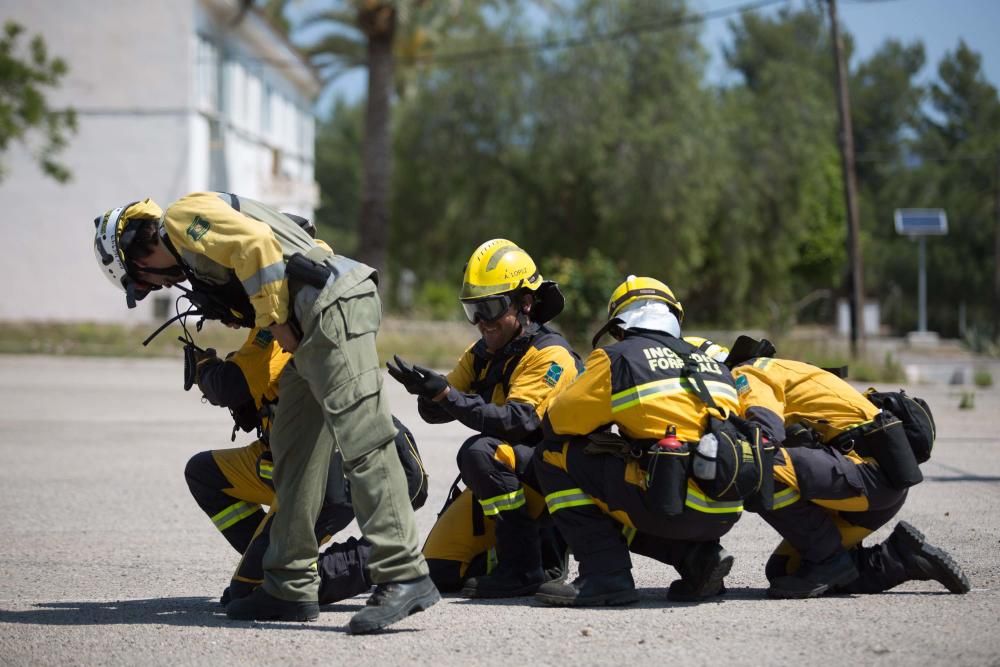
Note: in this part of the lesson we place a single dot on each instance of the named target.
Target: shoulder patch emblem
(742, 385)
(198, 228)
(553, 375)
(263, 338)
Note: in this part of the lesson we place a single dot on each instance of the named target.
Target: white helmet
(114, 232)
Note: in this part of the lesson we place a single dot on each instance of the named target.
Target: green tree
(338, 173)
(586, 284)
(23, 107)
(606, 146)
(778, 233)
(887, 104)
(376, 34)
(959, 150)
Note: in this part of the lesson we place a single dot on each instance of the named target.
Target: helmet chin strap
(130, 299)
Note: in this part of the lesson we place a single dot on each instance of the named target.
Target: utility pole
(856, 281)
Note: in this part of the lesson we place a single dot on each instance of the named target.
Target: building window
(275, 162)
(265, 110)
(207, 78)
(161, 306)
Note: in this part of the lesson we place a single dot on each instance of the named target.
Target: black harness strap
(690, 370)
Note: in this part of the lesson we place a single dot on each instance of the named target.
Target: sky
(940, 24)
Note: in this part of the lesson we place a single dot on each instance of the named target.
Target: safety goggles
(488, 309)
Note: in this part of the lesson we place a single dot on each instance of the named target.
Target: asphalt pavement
(106, 559)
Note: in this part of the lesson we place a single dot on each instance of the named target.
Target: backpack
(918, 422)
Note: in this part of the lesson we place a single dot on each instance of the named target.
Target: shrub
(983, 378)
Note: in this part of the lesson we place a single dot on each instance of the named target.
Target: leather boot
(594, 590)
(924, 562)
(393, 602)
(519, 560)
(702, 570)
(262, 606)
(236, 590)
(815, 579)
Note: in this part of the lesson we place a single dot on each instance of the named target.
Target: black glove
(203, 359)
(193, 356)
(418, 381)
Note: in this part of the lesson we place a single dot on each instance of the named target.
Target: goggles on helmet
(488, 309)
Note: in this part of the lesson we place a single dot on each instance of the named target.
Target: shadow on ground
(184, 611)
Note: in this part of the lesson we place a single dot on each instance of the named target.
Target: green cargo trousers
(331, 396)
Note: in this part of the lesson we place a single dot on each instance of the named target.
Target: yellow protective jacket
(779, 392)
(221, 238)
(505, 394)
(636, 384)
(248, 378)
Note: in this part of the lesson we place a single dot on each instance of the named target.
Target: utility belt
(884, 440)
(736, 468)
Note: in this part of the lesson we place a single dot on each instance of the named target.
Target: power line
(587, 39)
(969, 157)
(546, 45)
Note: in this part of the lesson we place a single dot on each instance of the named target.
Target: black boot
(924, 562)
(261, 606)
(519, 560)
(393, 602)
(815, 579)
(702, 570)
(594, 590)
(236, 590)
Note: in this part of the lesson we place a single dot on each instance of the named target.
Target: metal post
(922, 287)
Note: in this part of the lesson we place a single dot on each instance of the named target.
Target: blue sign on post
(921, 223)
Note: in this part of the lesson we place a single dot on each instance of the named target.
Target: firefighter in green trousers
(325, 310)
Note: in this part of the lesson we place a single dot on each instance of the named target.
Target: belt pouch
(891, 450)
(666, 479)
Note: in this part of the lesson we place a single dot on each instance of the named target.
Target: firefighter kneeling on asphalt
(500, 389)
(611, 492)
(843, 473)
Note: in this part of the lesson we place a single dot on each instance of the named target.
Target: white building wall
(129, 82)
(170, 100)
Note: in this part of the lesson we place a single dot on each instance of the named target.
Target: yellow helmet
(640, 289)
(493, 275)
(497, 267)
(635, 288)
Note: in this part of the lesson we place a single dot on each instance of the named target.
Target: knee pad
(202, 472)
(474, 457)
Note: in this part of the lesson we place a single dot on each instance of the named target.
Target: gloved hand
(417, 380)
(193, 357)
(203, 360)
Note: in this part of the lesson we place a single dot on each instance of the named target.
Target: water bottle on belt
(704, 457)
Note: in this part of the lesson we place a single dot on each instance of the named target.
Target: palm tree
(380, 34)
(376, 34)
